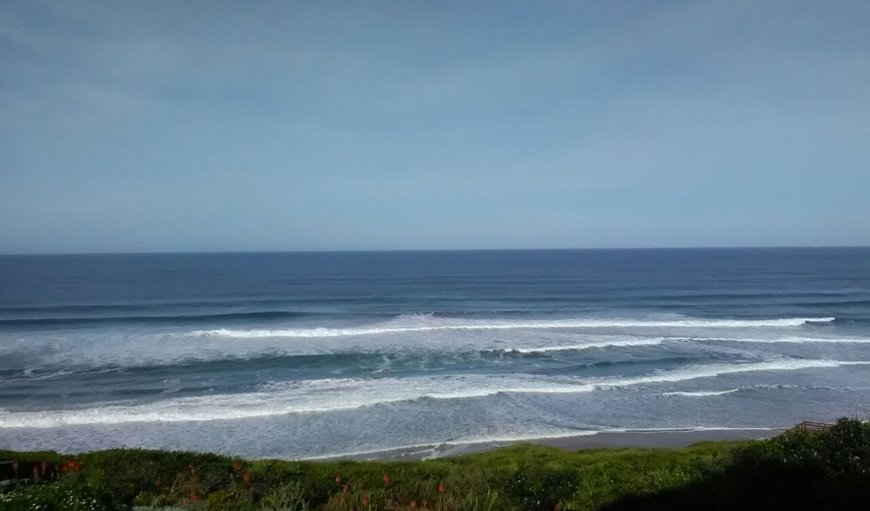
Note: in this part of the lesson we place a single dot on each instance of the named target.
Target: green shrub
(286, 497)
(827, 470)
(55, 496)
(541, 487)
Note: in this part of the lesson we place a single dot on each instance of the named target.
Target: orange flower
(236, 467)
(338, 478)
(386, 478)
(71, 466)
(441, 487)
(246, 478)
(365, 500)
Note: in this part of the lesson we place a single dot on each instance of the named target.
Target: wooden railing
(813, 426)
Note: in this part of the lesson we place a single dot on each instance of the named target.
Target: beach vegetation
(827, 469)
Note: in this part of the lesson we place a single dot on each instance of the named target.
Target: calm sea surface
(317, 354)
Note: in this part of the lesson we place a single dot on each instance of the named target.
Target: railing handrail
(813, 425)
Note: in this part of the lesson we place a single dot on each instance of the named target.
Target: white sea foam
(784, 340)
(591, 345)
(702, 393)
(655, 341)
(710, 370)
(349, 393)
(422, 333)
(749, 388)
(160, 350)
(424, 323)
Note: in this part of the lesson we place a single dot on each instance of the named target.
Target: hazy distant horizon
(412, 250)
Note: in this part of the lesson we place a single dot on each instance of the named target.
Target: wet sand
(638, 439)
(608, 439)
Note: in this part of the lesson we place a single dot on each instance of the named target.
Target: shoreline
(641, 439)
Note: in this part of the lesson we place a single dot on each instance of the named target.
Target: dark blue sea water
(317, 354)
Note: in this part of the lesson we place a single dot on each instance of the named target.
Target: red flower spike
(365, 500)
(236, 467)
(386, 478)
(441, 487)
(344, 490)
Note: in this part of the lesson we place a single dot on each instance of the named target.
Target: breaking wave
(428, 323)
(702, 393)
(312, 396)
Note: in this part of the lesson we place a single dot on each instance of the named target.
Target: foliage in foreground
(826, 470)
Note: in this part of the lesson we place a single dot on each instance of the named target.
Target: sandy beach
(602, 440)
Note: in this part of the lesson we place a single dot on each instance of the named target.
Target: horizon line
(407, 250)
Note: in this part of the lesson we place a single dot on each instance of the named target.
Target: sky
(319, 125)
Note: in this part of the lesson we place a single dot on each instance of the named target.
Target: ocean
(309, 355)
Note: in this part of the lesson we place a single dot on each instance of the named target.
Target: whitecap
(430, 324)
(322, 395)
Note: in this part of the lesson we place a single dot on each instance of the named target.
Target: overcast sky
(188, 126)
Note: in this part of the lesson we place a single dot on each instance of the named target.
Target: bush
(826, 470)
(287, 497)
(61, 495)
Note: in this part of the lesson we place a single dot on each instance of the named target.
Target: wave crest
(312, 396)
(428, 323)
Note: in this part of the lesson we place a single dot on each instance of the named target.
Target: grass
(828, 470)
